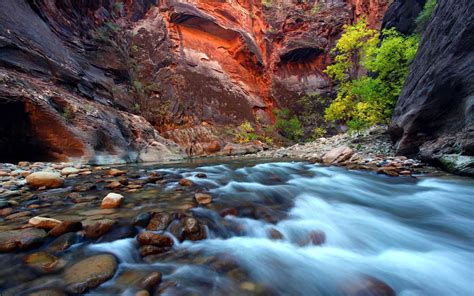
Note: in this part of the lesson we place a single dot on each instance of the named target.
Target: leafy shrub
(246, 133)
(425, 15)
(288, 126)
(310, 107)
(365, 100)
(318, 132)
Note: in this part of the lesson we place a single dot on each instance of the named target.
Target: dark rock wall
(402, 14)
(435, 111)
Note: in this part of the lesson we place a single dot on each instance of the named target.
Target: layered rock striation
(101, 80)
(434, 115)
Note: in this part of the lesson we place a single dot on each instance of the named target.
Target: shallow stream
(301, 229)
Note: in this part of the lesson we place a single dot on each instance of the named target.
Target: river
(304, 229)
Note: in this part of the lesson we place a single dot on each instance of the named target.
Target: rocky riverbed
(370, 150)
(180, 228)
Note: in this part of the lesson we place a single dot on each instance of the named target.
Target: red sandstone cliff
(189, 68)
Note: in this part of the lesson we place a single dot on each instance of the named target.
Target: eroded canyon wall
(434, 116)
(109, 76)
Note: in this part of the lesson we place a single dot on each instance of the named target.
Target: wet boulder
(63, 242)
(98, 228)
(185, 182)
(114, 185)
(228, 212)
(21, 239)
(151, 281)
(43, 262)
(159, 221)
(275, 234)
(116, 172)
(44, 179)
(47, 292)
(65, 227)
(44, 222)
(69, 171)
(150, 238)
(315, 238)
(89, 273)
(153, 243)
(337, 155)
(176, 228)
(112, 201)
(369, 286)
(193, 230)
(142, 220)
(203, 198)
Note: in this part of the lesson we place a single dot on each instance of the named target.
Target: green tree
(367, 96)
(425, 15)
(288, 125)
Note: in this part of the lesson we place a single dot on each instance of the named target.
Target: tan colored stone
(44, 179)
(203, 198)
(44, 222)
(337, 155)
(69, 171)
(89, 273)
(112, 201)
(116, 172)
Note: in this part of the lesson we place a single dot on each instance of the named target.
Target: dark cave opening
(300, 55)
(18, 141)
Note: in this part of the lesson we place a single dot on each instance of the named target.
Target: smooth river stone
(89, 273)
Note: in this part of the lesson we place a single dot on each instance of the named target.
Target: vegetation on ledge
(370, 69)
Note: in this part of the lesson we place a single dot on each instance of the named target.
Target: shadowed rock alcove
(18, 140)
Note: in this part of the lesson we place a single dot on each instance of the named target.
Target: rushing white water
(415, 235)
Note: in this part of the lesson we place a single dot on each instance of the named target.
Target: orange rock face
(226, 62)
(91, 79)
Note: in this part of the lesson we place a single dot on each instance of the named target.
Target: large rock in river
(21, 239)
(44, 179)
(89, 273)
(337, 155)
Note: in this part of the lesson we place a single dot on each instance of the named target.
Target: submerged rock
(151, 281)
(159, 221)
(369, 286)
(185, 182)
(63, 242)
(89, 273)
(47, 292)
(99, 228)
(228, 212)
(65, 227)
(193, 230)
(150, 238)
(21, 239)
(203, 198)
(42, 261)
(142, 220)
(44, 179)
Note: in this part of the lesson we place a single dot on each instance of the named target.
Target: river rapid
(304, 229)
